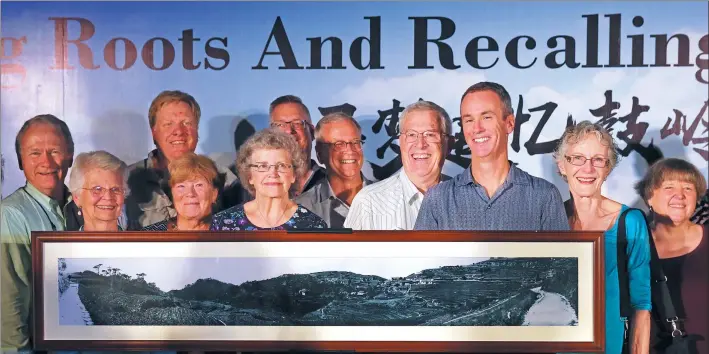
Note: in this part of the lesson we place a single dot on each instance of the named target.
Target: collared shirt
(25, 210)
(522, 202)
(391, 204)
(149, 200)
(322, 201)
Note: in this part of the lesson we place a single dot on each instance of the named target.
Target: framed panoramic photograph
(338, 290)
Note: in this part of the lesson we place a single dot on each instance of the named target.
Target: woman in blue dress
(586, 154)
(269, 164)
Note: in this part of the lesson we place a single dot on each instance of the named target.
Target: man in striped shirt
(393, 204)
(492, 194)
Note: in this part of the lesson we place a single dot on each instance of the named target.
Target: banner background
(107, 108)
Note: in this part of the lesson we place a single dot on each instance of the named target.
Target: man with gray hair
(45, 152)
(393, 204)
(493, 193)
(338, 146)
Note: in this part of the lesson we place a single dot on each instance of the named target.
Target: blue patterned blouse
(234, 219)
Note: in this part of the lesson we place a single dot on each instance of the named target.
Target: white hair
(87, 161)
(421, 105)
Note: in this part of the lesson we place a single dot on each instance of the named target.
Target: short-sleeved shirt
(523, 203)
(235, 219)
(322, 201)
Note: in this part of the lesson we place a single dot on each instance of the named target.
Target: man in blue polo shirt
(491, 194)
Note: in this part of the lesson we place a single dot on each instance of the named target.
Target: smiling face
(101, 197)
(675, 198)
(485, 125)
(194, 198)
(421, 158)
(585, 180)
(348, 162)
(175, 130)
(271, 184)
(45, 158)
(295, 121)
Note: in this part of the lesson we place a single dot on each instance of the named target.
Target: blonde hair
(191, 165)
(270, 139)
(167, 97)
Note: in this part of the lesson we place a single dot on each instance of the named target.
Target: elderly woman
(98, 187)
(269, 164)
(585, 156)
(671, 188)
(194, 185)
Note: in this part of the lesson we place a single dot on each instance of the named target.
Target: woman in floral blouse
(268, 164)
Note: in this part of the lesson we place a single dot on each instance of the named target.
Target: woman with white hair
(98, 187)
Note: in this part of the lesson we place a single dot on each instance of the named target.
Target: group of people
(276, 184)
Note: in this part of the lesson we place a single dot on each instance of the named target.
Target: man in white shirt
(393, 204)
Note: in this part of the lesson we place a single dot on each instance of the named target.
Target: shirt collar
(323, 190)
(514, 176)
(408, 187)
(45, 199)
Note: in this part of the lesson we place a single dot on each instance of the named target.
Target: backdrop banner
(638, 68)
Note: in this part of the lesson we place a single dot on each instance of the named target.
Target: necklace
(265, 219)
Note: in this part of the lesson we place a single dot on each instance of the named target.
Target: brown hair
(191, 165)
(670, 169)
(167, 97)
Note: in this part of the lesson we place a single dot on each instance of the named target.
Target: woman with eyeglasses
(98, 187)
(585, 156)
(269, 164)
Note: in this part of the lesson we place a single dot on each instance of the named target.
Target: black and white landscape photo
(263, 291)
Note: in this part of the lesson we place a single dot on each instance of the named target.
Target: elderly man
(289, 114)
(338, 146)
(394, 203)
(491, 194)
(174, 120)
(45, 151)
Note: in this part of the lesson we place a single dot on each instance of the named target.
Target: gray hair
(88, 161)
(334, 118)
(270, 139)
(421, 105)
(497, 89)
(578, 132)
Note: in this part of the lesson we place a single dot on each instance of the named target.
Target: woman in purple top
(671, 188)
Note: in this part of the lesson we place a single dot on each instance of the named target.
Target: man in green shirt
(45, 151)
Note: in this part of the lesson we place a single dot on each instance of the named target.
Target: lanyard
(54, 227)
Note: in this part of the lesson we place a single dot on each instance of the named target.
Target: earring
(79, 212)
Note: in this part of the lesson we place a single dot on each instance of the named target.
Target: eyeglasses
(431, 136)
(342, 145)
(98, 191)
(579, 160)
(296, 124)
(280, 167)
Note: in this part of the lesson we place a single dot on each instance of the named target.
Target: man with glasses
(338, 146)
(394, 203)
(290, 115)
(492, 194)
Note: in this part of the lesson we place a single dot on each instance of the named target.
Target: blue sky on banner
(107, 109)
